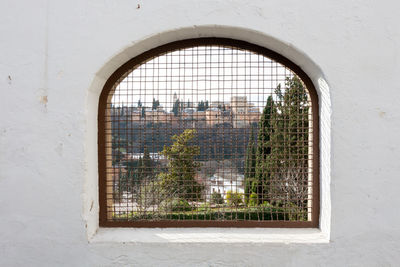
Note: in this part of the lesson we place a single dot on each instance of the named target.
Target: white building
(219, 184)
(153, 156)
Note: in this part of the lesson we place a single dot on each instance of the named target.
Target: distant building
(239, 104)
(218, 104)
(188, 113)
(243, 112)
(222, 184)
(217, 116)
(156, 116)
(153, 156)
(238, 112)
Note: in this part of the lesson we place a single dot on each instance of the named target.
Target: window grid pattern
(209, 133)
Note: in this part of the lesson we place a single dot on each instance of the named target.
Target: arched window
(209, 132)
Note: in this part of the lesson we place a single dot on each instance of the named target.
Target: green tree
(201, 106)
(282, 148)
(129, 180)
(176, 108)
(216, 198)
(250, 165)
(263, 164)
(143, 114)
(147, 164)
(290, 151)
(234, 198)
(180, 181)
(139, 169)
(155, 104)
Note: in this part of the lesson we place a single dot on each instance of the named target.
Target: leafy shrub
(267, 215)
(266, 204)
(253, 199)
(205, 207)
(216, 198)
(234, 198)
(117, 196)
(295, 213)
(175, 204)
(148, 194)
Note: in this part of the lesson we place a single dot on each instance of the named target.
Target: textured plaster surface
(56, 56)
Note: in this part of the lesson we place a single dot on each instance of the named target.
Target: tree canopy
(281, 159)
(180, 181)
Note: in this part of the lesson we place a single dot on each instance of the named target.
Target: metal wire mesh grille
(209, 133)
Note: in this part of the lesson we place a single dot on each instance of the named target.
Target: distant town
(180, 156)
(222, 136)
(238, 112)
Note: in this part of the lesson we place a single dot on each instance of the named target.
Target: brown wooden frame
(140, 59)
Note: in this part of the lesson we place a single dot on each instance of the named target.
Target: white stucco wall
(55, 57)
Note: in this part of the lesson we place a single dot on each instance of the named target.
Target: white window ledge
(209, 235)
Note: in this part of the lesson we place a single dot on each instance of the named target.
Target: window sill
(209, 235)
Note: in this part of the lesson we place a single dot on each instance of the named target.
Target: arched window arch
(209, 132)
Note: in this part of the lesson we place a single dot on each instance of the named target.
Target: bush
(205, 207)
(117, 195)
(256, 215)
(266, 204)
(175, 204)
(253, 200)
(148, 194)
(234, 199)
(295, 213)
(216, 198)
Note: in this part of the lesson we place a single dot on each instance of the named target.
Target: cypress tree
(155, 104)
(291, 153)
(250, 165)
(140, 169)
(201, 106)
(147, 169)
(143, 114)
(262, 175)
(282, 147)
(175, 108)
(277, 140)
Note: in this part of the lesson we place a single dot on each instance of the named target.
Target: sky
(212, 73)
